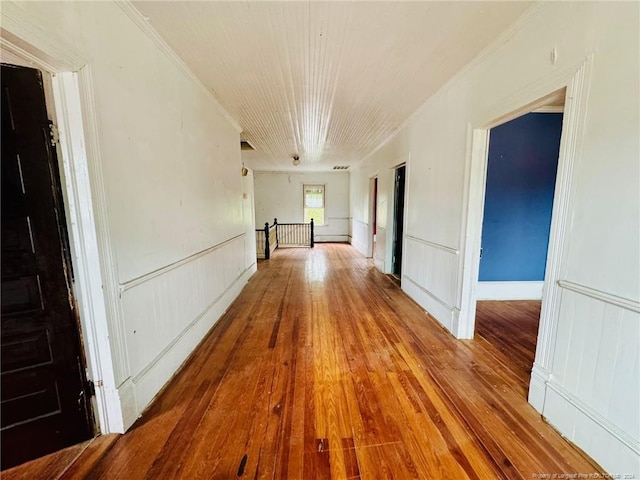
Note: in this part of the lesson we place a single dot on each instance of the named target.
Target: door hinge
(90, 388)
(54, 136)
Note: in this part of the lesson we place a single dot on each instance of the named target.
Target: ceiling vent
(244, 145)
(341, 167)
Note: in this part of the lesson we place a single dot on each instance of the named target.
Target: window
(314, 204)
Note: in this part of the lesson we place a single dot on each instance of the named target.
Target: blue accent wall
(521, 175)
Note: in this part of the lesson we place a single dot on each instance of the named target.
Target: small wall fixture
(296, 160)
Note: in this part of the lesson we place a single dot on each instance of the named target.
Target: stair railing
(283, 235)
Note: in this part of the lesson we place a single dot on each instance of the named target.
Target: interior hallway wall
(171, 173)
(591, 389)
(279, 195)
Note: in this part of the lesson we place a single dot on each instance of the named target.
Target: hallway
(323, 368)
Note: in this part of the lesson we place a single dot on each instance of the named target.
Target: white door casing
(575, 80)
(83, 192)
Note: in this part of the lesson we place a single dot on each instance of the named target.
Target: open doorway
(521, 171)
(398, 221)
(373, 208)
(519, 193)
(570, 90)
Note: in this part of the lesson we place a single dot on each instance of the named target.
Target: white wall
(170, 190)
(592, 387)
(279, 195)
(249, 218)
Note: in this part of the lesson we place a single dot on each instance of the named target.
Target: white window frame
(324, 202)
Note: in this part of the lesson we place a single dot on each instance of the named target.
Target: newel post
(267, 250)
(312, 233)
(275, 222)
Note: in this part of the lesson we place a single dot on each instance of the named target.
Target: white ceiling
(329, 81)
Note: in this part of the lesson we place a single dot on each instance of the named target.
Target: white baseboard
(443, 313)
(379, 263)
(615, 450)
(136, 393)
(251, 269)
(538, 387)
(330, 238)
(127, 395)
(509, 290)
(360, 247)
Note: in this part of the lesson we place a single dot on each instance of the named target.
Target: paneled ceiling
(328, 81)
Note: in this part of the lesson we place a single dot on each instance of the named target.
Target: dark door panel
(42, 374)
(398, 215)
(25, 350)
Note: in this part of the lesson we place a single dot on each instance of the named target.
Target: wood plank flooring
(508, 331)
(69, 463)
(324, 369)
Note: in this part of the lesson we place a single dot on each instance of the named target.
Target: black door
(398, 220)
(44, 403)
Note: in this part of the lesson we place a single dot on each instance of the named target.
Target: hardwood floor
(508, 331)
(69, 463)
(323, 368)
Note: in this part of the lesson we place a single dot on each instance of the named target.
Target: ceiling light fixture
(296, 160)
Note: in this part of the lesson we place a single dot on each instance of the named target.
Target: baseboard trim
(538, 387)
(360, 247)
(379, 263)
(127, 396)
(615, 450)
(596, 417)
(434, 306)
(319, 238)
(509, 290)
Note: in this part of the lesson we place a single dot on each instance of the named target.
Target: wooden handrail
(283, 234)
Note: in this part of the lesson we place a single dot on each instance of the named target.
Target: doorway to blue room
(520, 184)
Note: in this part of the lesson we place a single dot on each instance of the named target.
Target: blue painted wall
(521, 175)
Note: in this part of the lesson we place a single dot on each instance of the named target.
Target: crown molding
(143, 24)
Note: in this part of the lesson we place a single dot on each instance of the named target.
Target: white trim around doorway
(86, 211)
(575, 80)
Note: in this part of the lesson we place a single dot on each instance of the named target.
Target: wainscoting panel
(592, 395)
(433, 267)
(380, 254)
(359, 235)
(167, 313)
(432, 272)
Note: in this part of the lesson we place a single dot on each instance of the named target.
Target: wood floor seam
(323, 368)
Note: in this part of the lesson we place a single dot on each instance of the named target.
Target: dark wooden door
(44, 402)
(398, 216)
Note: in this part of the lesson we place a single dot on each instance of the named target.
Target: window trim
(324, 202)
